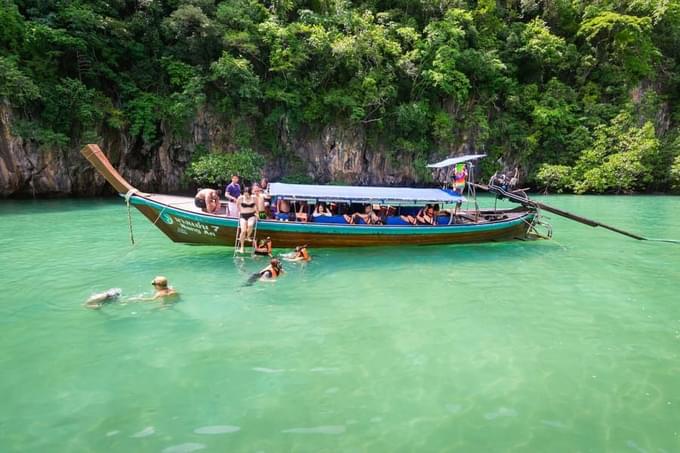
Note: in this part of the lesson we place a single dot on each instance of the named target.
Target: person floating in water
(97, 300)
(264, 247)
(299, 254)
(269, 273)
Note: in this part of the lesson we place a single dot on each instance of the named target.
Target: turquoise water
(564, 345)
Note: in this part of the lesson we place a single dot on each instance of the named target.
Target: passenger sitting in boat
(369, 217)
(426, 216)
(301, 214)
(272, 271)
(247, 207)
(320, 210)
(264, 247)
(283, 210)
(408, 218)
(385, 212)
(300, 254)
(372, 217)
(208, 200)
(352, 219)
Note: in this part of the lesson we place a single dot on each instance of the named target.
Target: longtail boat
(182, 221)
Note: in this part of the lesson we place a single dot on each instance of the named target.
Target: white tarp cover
(456, 160)
(389, 195)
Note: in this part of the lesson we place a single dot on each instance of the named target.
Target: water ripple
(217, 429)
(148, 431)
(184, 448)
(330, 429)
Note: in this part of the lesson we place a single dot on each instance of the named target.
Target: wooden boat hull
(195, 228)
(190, 226)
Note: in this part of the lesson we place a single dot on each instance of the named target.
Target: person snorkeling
(269, 273)
(264, 247)
(162, 292)
(299, 254)
(97, 300)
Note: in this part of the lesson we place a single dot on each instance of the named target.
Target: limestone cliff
(333, 154)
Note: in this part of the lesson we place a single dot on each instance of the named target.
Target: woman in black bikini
(248, 216)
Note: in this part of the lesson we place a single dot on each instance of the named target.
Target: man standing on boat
(232, 192)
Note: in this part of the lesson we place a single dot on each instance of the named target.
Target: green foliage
(236, 78)
(11, 27)
(543, 83)
(621, 158)
(554, 177)
(15, 85)
(144, 112)
(544, 48)
(675, 174)
(216, 168)
(46, 137)
(623, 39)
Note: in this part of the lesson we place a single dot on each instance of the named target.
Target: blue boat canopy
(365, 194)
(456, 160)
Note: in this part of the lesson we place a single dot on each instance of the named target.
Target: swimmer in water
(272, 271)
(160, 283)
(97, 300)
(264, 247)
(269, 273)
(300, 254)
(163, 291)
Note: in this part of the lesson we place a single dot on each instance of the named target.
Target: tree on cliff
(532, 82)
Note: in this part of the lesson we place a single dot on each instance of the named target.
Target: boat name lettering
(198, 228)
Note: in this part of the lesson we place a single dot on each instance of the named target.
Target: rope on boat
(129, 195)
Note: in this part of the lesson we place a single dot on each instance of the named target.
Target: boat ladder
(237, 239)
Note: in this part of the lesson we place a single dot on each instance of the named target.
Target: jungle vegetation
(583, 95)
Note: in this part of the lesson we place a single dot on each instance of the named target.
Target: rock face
(342, 155)
(26, 170)
(333, 154)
